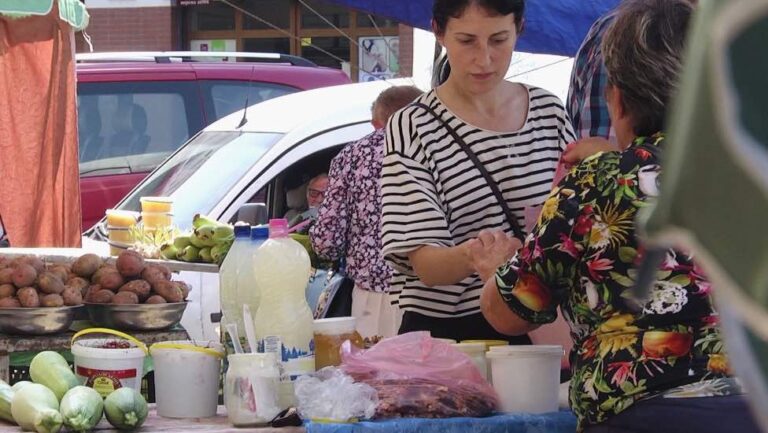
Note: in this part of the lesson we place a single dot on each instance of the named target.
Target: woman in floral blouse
(652, 366)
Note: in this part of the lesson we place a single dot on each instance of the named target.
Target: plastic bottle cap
(242, 231)
(278, 228)
(259, 233)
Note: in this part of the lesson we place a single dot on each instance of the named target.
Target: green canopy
(70, 11)
(714, 187)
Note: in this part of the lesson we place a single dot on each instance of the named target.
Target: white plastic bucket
(476, 352)
(107, 369)
(187, 378)
(527, 378)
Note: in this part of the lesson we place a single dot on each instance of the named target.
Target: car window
(200, 173)
(132, 126)
(226, 97)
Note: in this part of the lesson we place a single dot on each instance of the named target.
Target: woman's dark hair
(443, 10)
(643, 51)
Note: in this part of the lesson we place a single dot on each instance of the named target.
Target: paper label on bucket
(105, 381)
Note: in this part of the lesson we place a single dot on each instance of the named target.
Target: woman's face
(479, 45)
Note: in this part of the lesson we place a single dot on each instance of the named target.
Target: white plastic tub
(187, 378)
(107, 369)
(527, 378)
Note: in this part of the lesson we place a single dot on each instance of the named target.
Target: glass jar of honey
(329, 335)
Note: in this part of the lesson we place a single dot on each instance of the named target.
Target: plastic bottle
(229, 279)
(283, 322)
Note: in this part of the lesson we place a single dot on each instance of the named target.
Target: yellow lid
(488, 343)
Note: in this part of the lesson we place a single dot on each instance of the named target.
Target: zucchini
(6, 396)
(36, 408)
(51, 369)
(81, 408)
(126, 409)
(20, 384)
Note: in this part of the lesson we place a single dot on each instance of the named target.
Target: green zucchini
(126, 409)
(6, 396)
(36, 408)
(82, 408)
(51, 369)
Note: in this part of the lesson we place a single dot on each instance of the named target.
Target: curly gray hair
(643, 51)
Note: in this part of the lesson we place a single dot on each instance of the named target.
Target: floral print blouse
(349, 218)
(582, 256)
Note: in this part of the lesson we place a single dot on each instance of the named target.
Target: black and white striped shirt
(432, 194)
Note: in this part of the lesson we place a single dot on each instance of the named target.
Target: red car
(135, 109)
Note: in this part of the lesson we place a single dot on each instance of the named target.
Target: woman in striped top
(437, 206)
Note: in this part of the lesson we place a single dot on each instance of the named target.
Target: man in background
(348, 220)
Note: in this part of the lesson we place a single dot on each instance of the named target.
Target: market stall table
(31, 343)
(560, 422)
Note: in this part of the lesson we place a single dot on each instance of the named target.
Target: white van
(245, 165)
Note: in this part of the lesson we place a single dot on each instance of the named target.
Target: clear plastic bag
(418, 376)
(331, 395)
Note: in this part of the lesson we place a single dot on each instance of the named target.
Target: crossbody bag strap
(511, 219)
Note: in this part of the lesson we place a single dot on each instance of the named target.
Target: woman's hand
(580, 150)
(491, 249)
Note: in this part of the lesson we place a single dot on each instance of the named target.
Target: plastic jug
(229, 278)
(283, 322)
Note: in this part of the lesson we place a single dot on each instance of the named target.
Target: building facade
(365, 46)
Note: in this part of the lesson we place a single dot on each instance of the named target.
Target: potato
(6, 276)
(125, 297)
(18, 261)
(101, 271)
(130, 263)
(36, 263)
(9, 303)
(153, 273)
(169, 291)
(90, 291)
(78, 282)
(86, 265)
(184, 289)
(50, 283)
(72, 296)
(4, 261)
(28, 297)
(111, 281)
(7, 290)
(155, 299)
(101, 297)
(24, 275)
(140, 287)
(52, 300)
(60, 271)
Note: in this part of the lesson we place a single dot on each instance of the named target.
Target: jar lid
(334, 325)
(525, 350)
(488, 343)
(473, 348)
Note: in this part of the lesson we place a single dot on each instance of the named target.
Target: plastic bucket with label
(187, 378)
(527, 378)
(106, 364)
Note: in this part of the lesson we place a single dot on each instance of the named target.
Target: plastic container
(156, 204)
(251, 389)
(119, 225)
(476, 351)
(329, 335)
(235, 263)
(283, 322)
(489, 344)
(156, 220)
(187, 378)
(102, 364)
(526, 378)
(446, 340)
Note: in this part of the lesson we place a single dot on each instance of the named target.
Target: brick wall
(131, 29)
(406, 50)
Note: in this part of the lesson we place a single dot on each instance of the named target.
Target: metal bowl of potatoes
(136, 317)
(36, 321)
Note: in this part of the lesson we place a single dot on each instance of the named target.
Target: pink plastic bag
(416, 375)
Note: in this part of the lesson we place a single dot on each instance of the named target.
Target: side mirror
(253, 214)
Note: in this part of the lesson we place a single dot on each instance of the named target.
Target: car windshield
(202, 172)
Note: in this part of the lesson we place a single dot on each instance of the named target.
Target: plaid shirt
(586, 95)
